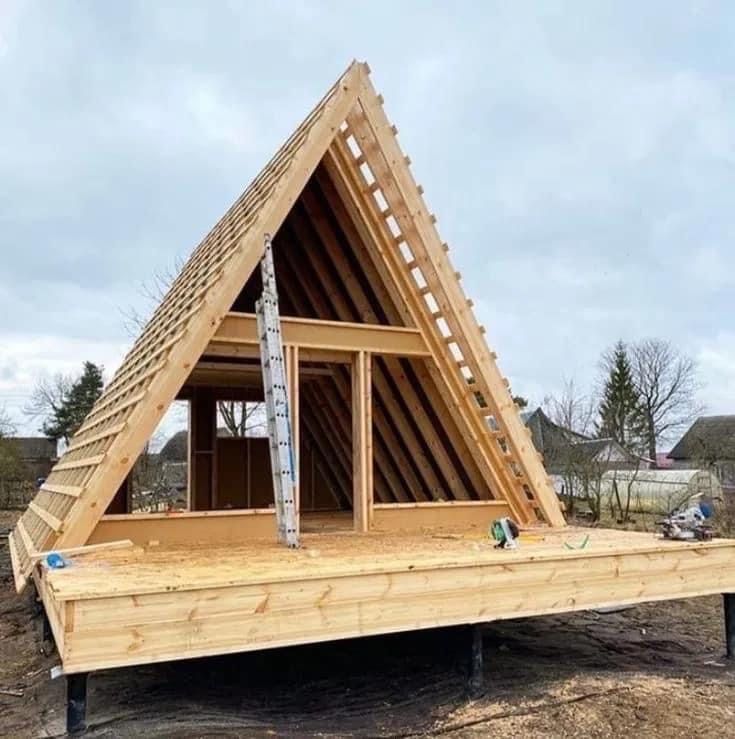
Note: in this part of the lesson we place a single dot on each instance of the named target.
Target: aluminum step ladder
(277, 406)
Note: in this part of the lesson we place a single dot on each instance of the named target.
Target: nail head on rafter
(420, 188)
(380, 99)
(394, 130)
(433, 218)
(445, 246)
(458, 275)
(407, 159)
(482, 329)
(493, 355)
(470, 302)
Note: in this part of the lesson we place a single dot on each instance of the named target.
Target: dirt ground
(651, 671)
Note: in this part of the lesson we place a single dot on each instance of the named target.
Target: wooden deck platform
(138, 605)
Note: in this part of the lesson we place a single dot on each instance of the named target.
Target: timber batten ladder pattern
(350, 132)
(109, 441)
(368, 142)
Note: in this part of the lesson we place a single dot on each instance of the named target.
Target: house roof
(557, 443)
(350, 125)
(710, 438)
(548, 436)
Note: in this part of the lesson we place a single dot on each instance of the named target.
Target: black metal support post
(76, 703)
(39, 612)
(728, 600)
(46, 633)
(476, 681)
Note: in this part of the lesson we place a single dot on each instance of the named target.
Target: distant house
(663, 461)
(37, 455)
(563, 448)
(23, 461)
(709, 444)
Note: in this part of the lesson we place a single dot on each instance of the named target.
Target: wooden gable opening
(402, 416)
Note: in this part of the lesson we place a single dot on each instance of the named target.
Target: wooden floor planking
(162, 603)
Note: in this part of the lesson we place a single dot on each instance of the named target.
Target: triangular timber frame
(349, 133)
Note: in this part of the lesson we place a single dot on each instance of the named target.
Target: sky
(580, 158)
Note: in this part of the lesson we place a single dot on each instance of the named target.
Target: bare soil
(651, 671)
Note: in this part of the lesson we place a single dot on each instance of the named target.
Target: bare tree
(667, 385)
(572, 409)
(573, 412)
(153, 291)
(240, 416)
(7, 427)
(11, 465)
(48, 396)
(237, 416)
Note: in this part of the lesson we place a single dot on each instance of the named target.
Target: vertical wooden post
(292, 377)
(202, 457)
(189, 456)
(362, 441)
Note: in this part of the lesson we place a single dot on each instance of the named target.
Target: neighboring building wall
(709, 444)
(36, 456)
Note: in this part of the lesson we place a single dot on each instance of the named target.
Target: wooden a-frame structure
(397, 406)
(446, 427)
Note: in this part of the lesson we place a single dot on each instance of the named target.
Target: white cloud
(716, 360)
(26, 359)
(578, 156)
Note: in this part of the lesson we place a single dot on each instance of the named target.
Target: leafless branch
(238, 416)
(7, 427)
(153, 291)
(667, 383)
(48, 396)
(572, 409)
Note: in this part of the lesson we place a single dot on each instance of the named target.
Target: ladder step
(278, 420)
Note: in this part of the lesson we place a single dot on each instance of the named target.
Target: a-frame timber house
(403, 426)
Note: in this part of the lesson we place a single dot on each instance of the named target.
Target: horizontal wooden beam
(50, 520)
(240, 376)
(468, 515)
(187, 527)
(77, 463)
(73, 491)
(240, 329)
(86, 549)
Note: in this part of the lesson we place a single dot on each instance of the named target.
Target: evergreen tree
(620, 411)
(77, 399)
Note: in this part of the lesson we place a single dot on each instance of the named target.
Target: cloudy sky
(580, 158)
